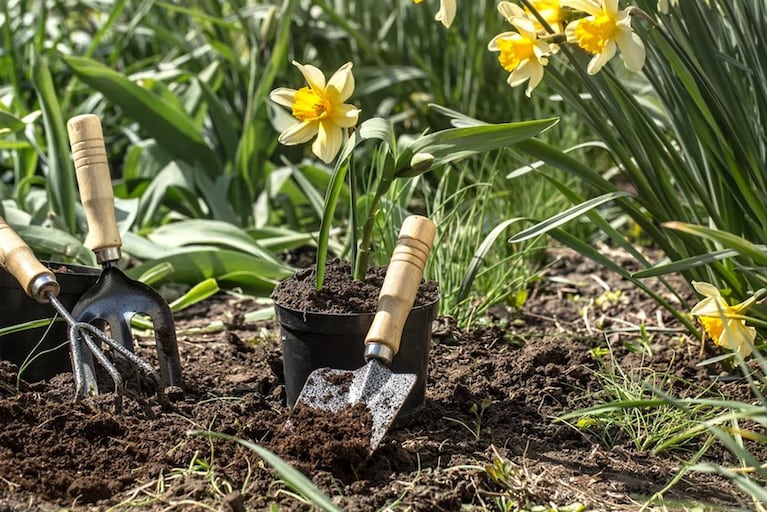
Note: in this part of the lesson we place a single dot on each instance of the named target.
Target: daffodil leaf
(455, 143)
(378, 128)
(565, 216)
(726, 239)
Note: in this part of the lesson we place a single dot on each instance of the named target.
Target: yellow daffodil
(521, 53)
(550, 10)
(320, 110)
(604, 30)
(716, 316)
(446, 13)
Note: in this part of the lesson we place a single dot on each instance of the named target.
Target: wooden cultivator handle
(403, 277)
(19, 260)
(92, 168)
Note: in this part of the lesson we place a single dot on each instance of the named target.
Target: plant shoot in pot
(320, 108)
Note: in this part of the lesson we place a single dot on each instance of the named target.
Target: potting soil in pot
(340, 293)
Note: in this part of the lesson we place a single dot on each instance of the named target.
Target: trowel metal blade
(374, 385)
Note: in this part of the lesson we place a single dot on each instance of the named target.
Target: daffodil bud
(269, 24)
(421, 162)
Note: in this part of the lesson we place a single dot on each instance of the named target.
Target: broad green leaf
(212, 232)
(190, 266)
(174, 130)
(57, 243)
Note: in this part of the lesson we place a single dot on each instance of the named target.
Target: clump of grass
(631, 409)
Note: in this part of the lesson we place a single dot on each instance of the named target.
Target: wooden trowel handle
(92, 168)
(18, 259)
(403, 277)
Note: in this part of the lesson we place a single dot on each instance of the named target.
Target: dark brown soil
(487, 432)
(339, 293)
(337, 442)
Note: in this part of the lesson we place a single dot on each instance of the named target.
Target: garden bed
(492, 397)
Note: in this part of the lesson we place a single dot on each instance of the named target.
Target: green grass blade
(291, 476)
(479, 256)
(25, 326)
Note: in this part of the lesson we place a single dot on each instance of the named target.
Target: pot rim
(305, 313)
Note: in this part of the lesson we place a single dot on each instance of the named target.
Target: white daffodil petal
(524, 25)
(493, 44)
(312, 75)
(510, 10)
(711, 307)
(706, 289)
(600, 59)
(345, 115)
(299, 133)
(283, 96)
(610, 6)
(328, 142)
(536, 75)
(632, 49)
(341, 85)
(520, 74)
(446, 13)
(738, 337)
(589, 6)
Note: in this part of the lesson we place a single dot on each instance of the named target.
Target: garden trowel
(374, 385)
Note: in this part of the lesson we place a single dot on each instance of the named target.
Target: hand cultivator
(115, 298)
(40, 283)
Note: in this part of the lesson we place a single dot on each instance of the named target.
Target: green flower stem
(363, 255)
(353, 217)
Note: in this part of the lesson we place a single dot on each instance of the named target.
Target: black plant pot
(16, 307)
(313, 340)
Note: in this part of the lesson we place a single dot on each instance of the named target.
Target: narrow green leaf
(684, 264)
(455, 143)
(291, 476)
(156, 273)
(564, 217)
(729, 240)
(60, 174)
(197, 293)
(331, 201)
